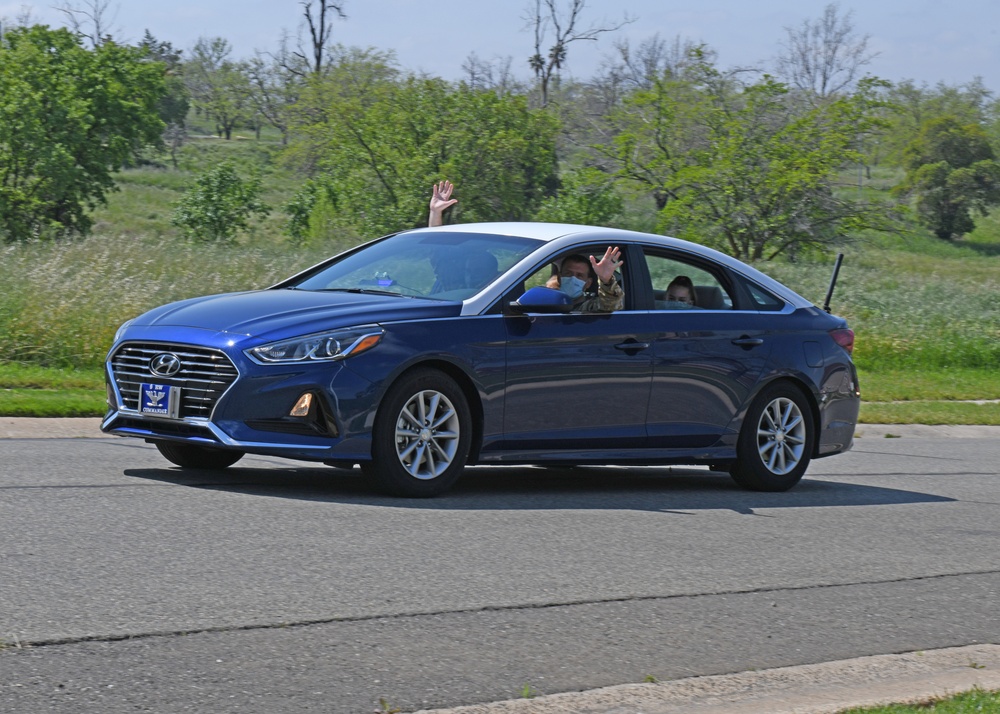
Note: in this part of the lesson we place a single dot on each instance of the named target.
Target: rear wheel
(777, 440)
(188, 456)
(422, 435)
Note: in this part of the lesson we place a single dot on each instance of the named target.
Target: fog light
(109, 396)
(302, 406)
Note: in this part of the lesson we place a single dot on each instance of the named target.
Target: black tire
(188, 456)
(422, 436)
(776, 441)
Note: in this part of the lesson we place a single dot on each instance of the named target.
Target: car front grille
(203, 377)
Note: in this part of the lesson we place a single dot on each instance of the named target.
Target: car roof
(538, 231)
(550, 232)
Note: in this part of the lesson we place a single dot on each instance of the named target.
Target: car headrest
(709, 297)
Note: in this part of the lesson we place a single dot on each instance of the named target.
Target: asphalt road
(128, 585)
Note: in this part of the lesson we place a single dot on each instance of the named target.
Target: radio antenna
(833, 281)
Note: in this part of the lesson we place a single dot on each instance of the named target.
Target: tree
(992, 123)
(744, 167)
(652, 60)
(274, 88)
(654, 69)
(587, 196)
(914, 105)
(69, 118)
(765, 183)
(544, 16)
(354, 79)
(320, 30)
(953, 171)
(90, 20)
(219, 205)
(22, 19)
(652, 132)
(824, 57)
(495, 75)
(499, 152)
(173, 107)
(219, 87)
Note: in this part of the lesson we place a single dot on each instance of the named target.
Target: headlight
(121, 330)
(322, 346)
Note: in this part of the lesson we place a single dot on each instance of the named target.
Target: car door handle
(748, 342)
(632, 346)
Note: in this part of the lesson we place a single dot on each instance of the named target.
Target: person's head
(575, 275)
(480, 268)
(443, 264)
(681, 289)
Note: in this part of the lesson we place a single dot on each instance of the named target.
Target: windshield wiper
(360, 291)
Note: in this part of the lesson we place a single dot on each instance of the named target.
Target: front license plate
(160, 400)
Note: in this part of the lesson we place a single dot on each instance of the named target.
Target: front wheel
(422, 436)
(776, 441)
(188, 456)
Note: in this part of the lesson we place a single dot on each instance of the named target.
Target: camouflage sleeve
(608, 299)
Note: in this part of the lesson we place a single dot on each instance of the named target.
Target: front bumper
(253, 413)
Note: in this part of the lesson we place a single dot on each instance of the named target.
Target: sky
(949, 41)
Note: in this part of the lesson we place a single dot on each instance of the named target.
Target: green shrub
(220, 205)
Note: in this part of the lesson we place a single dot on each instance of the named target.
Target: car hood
(277, 313)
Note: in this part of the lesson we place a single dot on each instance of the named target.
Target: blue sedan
(421, 352)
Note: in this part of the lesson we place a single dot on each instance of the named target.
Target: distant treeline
(756, 164)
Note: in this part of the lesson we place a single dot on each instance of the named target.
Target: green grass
(29, 376)
(976, 701)
(52, 403)
(33, 391)
(916, 412)
(956, 383)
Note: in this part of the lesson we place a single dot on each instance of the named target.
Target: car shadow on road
(663, 489)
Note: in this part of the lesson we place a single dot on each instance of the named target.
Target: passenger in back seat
(680, 294)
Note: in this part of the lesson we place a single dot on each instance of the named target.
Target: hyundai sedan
(424, 351)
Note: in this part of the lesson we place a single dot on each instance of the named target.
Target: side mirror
(543, 300)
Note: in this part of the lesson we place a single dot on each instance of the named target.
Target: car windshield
(438, 265)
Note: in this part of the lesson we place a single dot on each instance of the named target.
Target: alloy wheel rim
(781, 436)
(427, 434)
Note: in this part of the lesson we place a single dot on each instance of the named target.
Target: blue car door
(704, 366)
(707, 356)
(577, 381)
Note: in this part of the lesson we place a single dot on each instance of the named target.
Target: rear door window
(681, 285)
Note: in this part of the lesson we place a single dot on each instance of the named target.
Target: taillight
(844, 338)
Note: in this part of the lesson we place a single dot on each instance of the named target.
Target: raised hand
(606, 267)
(440, 201)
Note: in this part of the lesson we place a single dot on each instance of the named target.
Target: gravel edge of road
(824, 688)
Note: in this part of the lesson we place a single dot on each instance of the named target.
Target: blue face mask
(572, 286)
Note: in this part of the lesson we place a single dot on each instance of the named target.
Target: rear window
(763, 300)
(672, 277)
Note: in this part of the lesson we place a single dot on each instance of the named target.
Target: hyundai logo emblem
(165, 364)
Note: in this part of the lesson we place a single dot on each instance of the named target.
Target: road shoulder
(51, 428)
(823, 688)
